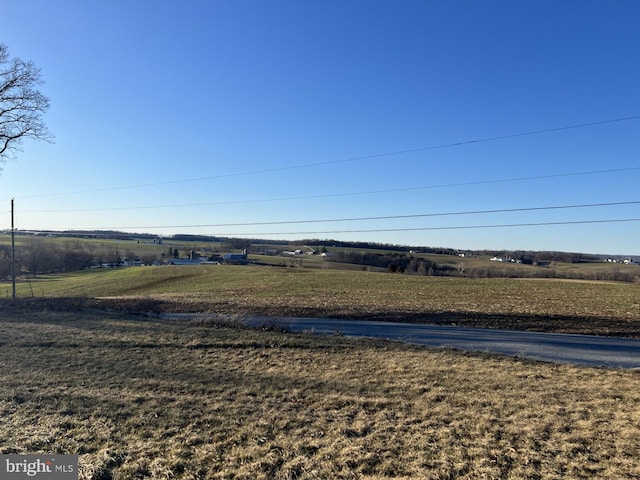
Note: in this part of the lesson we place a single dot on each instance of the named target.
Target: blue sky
(204, 117)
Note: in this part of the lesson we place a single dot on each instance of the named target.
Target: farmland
(604, 308)
(39, 254)
(81, 372)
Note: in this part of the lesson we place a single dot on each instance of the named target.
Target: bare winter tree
(21, 104)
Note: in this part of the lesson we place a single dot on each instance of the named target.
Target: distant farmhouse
(235, 258)
(195, 258)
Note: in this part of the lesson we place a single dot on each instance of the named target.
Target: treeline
(104, 234)
(612, 274)
(414, 265)
(38, 256)
(533, 257)
(392, 263)
(522, 256)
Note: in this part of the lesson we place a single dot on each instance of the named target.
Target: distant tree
(149, 258)
(21, 104)
(131, 257)
(5, 263)
(112, 255)
(74, 256)
(37, 255)
(238, 243)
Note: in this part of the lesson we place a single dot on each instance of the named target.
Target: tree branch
(21, 104)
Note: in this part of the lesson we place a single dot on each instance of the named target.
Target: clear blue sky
(185, 115)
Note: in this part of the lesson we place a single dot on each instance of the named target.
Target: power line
(344, 160)
(385, 217)
(453, 227)
(347, 194)
(413, 229)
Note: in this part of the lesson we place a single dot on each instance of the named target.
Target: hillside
(603, 308)
(52, 252)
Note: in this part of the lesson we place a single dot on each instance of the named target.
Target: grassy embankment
(544, 305)
(151, 399)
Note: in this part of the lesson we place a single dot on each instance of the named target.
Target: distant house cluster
(505, 259)
(195, 258)
(626, 261)
(298, 252)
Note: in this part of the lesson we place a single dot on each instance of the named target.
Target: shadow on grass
(79, 304)
(154, 307)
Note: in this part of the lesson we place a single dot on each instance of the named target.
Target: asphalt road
(585, 350)
(551, 347)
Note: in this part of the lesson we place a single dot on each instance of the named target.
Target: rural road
(585, 350)
(550, 347)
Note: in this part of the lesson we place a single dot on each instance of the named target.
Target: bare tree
(5, 263)
(37, 255)
(21, 104)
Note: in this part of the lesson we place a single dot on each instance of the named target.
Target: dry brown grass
(148, 399)
(543, 305)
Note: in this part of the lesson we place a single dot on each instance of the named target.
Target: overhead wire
(336, 195)
(381, 217)
(451, 227)
(338, 161)
(404, 229)
(370, 192)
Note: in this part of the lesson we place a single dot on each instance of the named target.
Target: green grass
(155, 399)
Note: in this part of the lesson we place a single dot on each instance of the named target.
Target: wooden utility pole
(13, 257)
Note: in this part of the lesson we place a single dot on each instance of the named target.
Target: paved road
(549, 347)
(552, 347)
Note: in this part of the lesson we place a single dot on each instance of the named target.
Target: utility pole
(13, 257)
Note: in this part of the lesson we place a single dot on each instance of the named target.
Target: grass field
(544, 305)
(154, 399)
